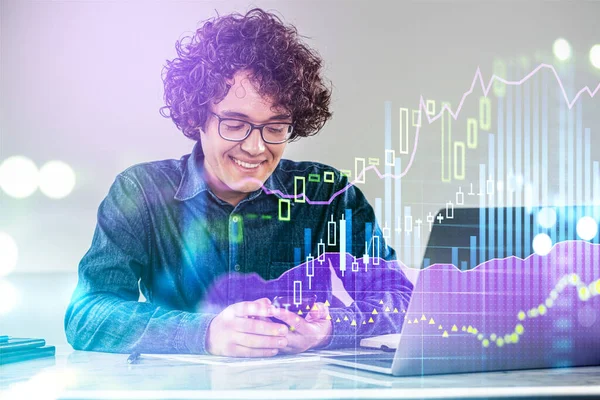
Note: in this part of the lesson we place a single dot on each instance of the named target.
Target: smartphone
(287, 302)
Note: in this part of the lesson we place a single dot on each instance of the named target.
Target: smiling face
(234, 169)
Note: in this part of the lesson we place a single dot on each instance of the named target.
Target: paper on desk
(234, 362)
(310, 356)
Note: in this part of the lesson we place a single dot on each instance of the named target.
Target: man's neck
(230, 198)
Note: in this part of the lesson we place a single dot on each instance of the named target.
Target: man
(183, 231)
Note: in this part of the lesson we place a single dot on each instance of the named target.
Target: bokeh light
(19, 177)
(587, 228)
(9, 297)
(46, 385)
(546, 217)
(595, 55)
(561, 49)
(9, 254)
(57, 179)
(542, 244)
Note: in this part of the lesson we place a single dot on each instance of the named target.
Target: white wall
(80, 82)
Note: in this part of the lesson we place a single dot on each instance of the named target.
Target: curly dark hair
(281, 67)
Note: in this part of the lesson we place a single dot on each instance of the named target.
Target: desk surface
(90, 375)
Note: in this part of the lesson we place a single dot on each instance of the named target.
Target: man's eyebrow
(235, 114)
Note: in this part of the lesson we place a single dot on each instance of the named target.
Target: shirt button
(235, 219)
(237, 267)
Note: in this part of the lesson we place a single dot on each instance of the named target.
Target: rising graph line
(584, 291)
(423, 109)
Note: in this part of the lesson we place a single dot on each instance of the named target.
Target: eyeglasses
(237, 130)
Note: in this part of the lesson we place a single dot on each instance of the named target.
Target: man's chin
(248, 185)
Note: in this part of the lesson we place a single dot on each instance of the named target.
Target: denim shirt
(162, 231)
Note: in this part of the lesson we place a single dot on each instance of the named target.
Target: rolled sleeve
(104, 313)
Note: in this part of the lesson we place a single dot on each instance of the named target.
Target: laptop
(505, 307)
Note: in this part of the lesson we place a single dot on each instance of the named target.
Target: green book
(16, 344)
(27, 354)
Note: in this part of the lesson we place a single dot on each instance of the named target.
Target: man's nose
(254, 144)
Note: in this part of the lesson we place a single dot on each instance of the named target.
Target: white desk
(90, 375)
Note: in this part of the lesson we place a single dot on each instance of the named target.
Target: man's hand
(307, 334)
(244, 330)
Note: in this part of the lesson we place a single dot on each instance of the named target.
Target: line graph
(585, 292)
(430, 119)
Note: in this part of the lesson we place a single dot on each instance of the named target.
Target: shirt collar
(193, 182)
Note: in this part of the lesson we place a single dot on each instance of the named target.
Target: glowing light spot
(493, 336)
(584, 294)
(534, 312)
(549, 303)
(587, 228)
(542, 309)
(500, 342)
(57, 179)
(595, 56)
(598, 286)
(485, 343)
(561, 49)
(9, 254)
(519, 329)
(19, 177)
(9, 297)
(553, 295)
(542, 244)
(521, 315)
(514, 338)
(546, 217)
(573, 279)
(480, 337)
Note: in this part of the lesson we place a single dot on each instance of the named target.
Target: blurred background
(80, 90)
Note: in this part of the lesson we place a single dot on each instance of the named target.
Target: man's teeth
(244, 164)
